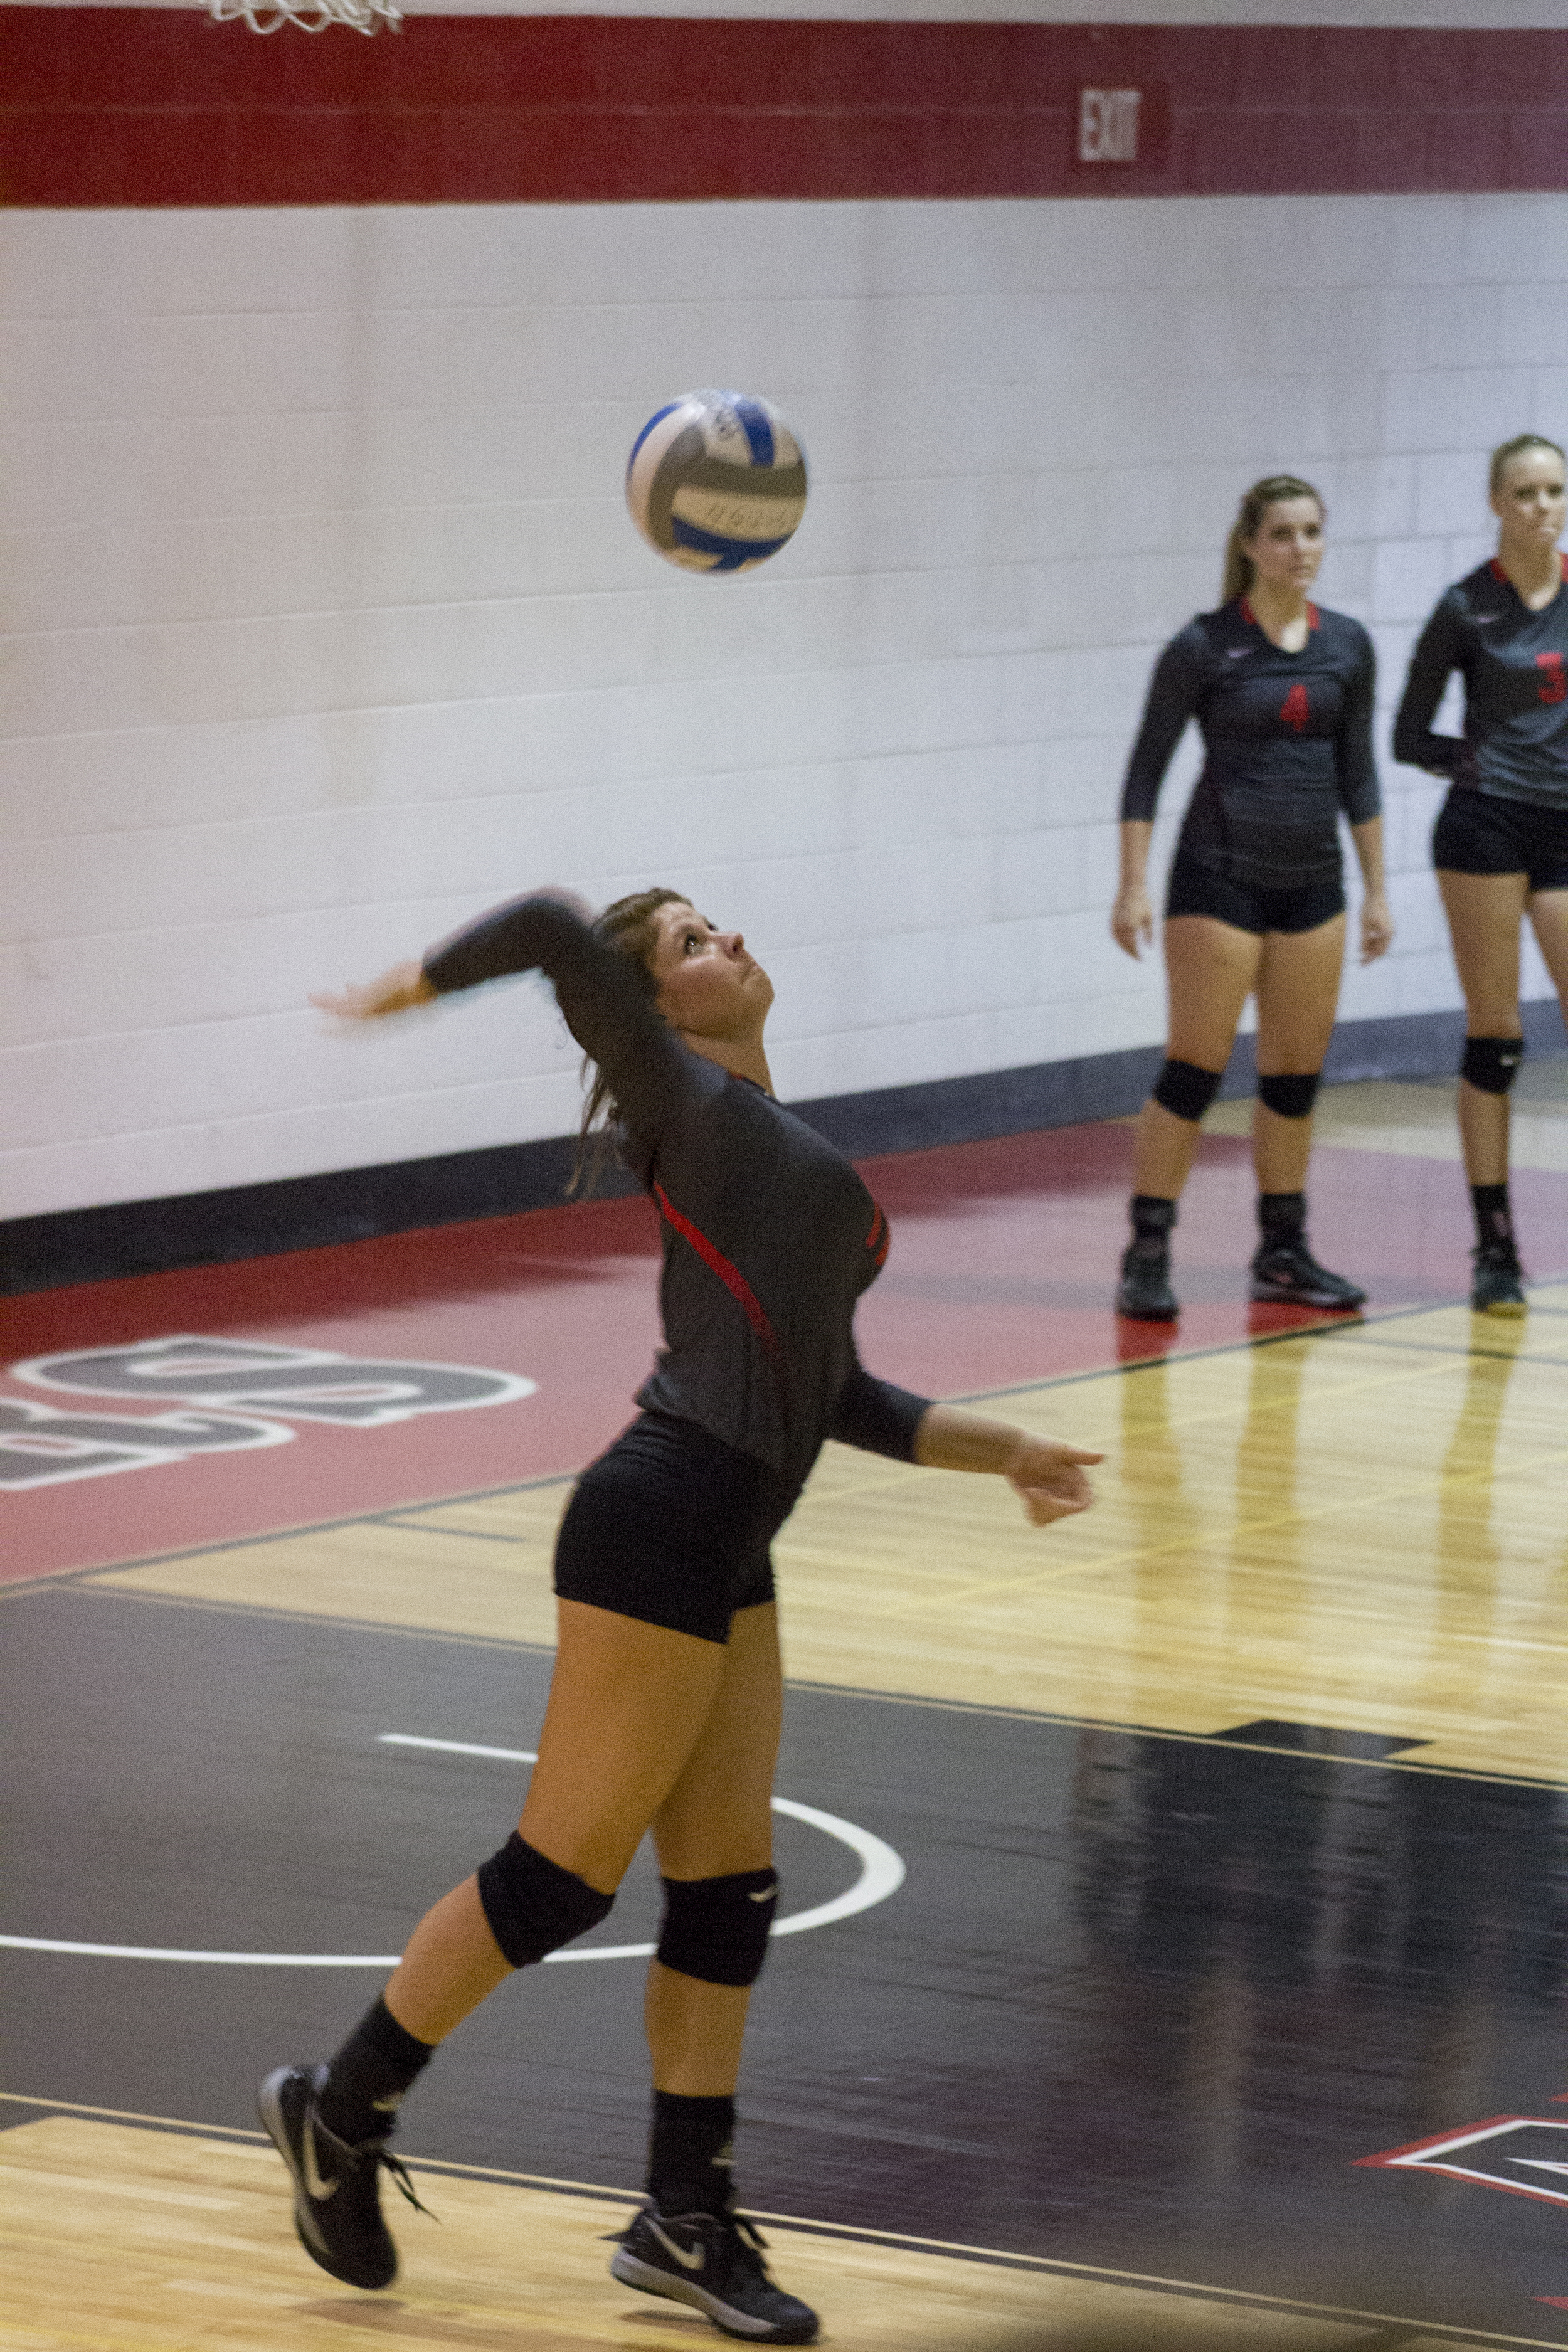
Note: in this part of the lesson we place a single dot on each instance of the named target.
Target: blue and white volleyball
(716, 481)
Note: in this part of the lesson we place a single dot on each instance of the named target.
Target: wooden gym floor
(1230, 1818)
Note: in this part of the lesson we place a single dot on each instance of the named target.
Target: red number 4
(1554, 686)
(1296, 709)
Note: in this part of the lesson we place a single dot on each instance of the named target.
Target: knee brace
(1493, 1063)
(717, 1929)
(1184, 1090)
(534, 1906)
(1290, 1097)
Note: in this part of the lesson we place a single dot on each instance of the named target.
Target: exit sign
(1123, 126)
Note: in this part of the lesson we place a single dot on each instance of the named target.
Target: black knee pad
(1290, 1097)
(534, 1906)
(1184, 1090)
(1493, 1063)
(717, 1929)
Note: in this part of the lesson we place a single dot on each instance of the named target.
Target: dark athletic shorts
(1479, 833)
(1193, 890)
(672, 1527)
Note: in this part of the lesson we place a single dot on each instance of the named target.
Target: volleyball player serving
(1283, 695)
(1500, 844)
(664, 1706)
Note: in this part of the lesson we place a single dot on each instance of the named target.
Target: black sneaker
(1286, 1273)
(337, 2207)
(1145, 1293)
(713, 2262)
(1495, 1287)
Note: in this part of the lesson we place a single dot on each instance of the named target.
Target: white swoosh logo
(767, 1893)
(688, 2261)
(315, 2186)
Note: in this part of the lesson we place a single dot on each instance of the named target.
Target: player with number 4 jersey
(1282, 692)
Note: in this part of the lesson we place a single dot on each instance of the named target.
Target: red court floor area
(323, 1386)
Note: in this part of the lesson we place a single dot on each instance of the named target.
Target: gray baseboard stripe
(129, 1238)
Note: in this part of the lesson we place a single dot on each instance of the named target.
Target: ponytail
(628, 927)
(1238, 564)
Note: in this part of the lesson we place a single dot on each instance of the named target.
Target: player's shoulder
(1207, 634)
(1481, 591)
(1342, 633)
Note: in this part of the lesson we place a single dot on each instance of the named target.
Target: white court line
(881, 1874)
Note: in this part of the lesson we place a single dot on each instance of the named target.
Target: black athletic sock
(367, 2079)
(1494, 1223)
(1152, 1217)
(1281, 1218)
(688, 2153)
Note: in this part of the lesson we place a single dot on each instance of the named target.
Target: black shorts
(672, 1527)
(1480, 832)
(1193, 890)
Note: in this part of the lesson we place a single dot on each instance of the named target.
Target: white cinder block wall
(324, 626)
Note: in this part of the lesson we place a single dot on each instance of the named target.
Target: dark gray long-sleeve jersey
(1514, 664)
(1287, 743)
(770, 1236)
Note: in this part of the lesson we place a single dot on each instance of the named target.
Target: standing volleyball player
(1501, 845)
(1256, 905)
(664, 1706)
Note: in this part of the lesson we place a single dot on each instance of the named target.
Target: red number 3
(1296, 709)
(1554, 686)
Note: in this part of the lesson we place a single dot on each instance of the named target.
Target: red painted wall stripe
(158, 107)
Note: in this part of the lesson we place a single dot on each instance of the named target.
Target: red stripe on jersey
(733, 1280)
(877, 1240)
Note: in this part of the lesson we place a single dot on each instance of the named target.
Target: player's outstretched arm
(397, 991)
(1044, 1472)
(408, 984)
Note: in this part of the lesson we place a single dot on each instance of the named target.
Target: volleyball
(716, 481)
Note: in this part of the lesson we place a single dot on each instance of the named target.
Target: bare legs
(1212, 968)
(643, 1728)
(1297, 999)
(1485, 914)
(716, 1820)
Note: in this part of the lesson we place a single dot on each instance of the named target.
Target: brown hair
(629, 927)
(1519, 447)
(1268, 492)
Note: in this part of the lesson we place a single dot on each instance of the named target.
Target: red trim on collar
(1495, 568)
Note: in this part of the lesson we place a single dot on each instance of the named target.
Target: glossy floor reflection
(1221, 2007)
(1144, 2004)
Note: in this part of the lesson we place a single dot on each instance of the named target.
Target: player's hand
(397, 991)
(1133, 920)
(1049, 1478)
(1376, 927)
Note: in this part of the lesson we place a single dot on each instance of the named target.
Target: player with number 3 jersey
(1282, 692)
(1501, 845)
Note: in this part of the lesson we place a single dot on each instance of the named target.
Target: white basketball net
(311, 16)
